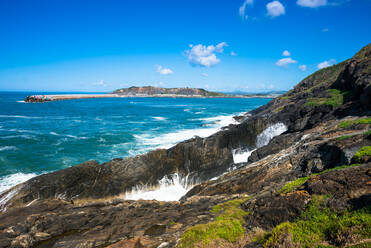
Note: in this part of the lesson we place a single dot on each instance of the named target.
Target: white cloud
(220, 47)
(285, 62)
(325, 64)
(204, 74)
(302, 67)
(275, 9)
(286, 53)
(101, 83)
(201, 55)
(164, 71)
(311, 3)
(242, 9)
(325, 30)
(233, 54)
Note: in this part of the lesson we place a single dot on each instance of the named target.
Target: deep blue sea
(36, 138)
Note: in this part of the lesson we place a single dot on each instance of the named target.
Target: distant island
(151, 91)
(164, 92)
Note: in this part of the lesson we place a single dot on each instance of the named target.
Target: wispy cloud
(204, 74)
(233, 54)
(205, 56)
(285, 62)
(164, 71)
(325, 64)
(101, 83)
(286, 53)
(275, 9)
(312, 3)
(302, 67)
(242, 9)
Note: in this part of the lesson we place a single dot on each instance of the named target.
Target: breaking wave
(242, 155)
(170, 188)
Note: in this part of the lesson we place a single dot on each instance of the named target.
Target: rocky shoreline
(308, 185)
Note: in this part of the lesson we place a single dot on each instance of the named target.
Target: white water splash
(159, 118)
(6, 198)
(170, 188)
(7, 148)
(168, 140)
(242, 155)
(11, 180)
(268, 134)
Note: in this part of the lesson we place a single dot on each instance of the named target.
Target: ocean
(37, 138)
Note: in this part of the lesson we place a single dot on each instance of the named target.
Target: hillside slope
(150, 90)
(305, 184)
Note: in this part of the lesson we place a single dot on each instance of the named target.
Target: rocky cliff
(306, 185)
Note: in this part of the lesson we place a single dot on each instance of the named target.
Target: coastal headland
(147, 91)
(304, 181)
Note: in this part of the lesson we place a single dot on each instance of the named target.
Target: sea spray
(9, 181)
(264, 137)
(241, 155)
(170, 188)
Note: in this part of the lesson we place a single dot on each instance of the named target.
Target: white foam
(24, 136)
(159, 118)
(171, 188)
(19, 116)
(7, 148)
(241, 156)
(264, 137)
(6, 198)
(9, 181)
(21, 101)
(168, 140)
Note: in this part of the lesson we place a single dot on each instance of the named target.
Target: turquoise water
(36, 138)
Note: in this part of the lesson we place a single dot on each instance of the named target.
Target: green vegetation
(336, 99)
(367, 133)
(344, 137)
(278, 109)
(362, 154)
(291, 186)
(227, 226)
(318, 224)
(349, 123)
(285, 97)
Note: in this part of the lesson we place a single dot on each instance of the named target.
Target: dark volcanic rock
(348, 187)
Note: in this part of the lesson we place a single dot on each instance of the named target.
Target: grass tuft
(349, 123)
(319, 224)
(335, 99)
(228, 226)
(291, 186)
(362, 154)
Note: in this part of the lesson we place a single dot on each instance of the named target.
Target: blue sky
(222, 45)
